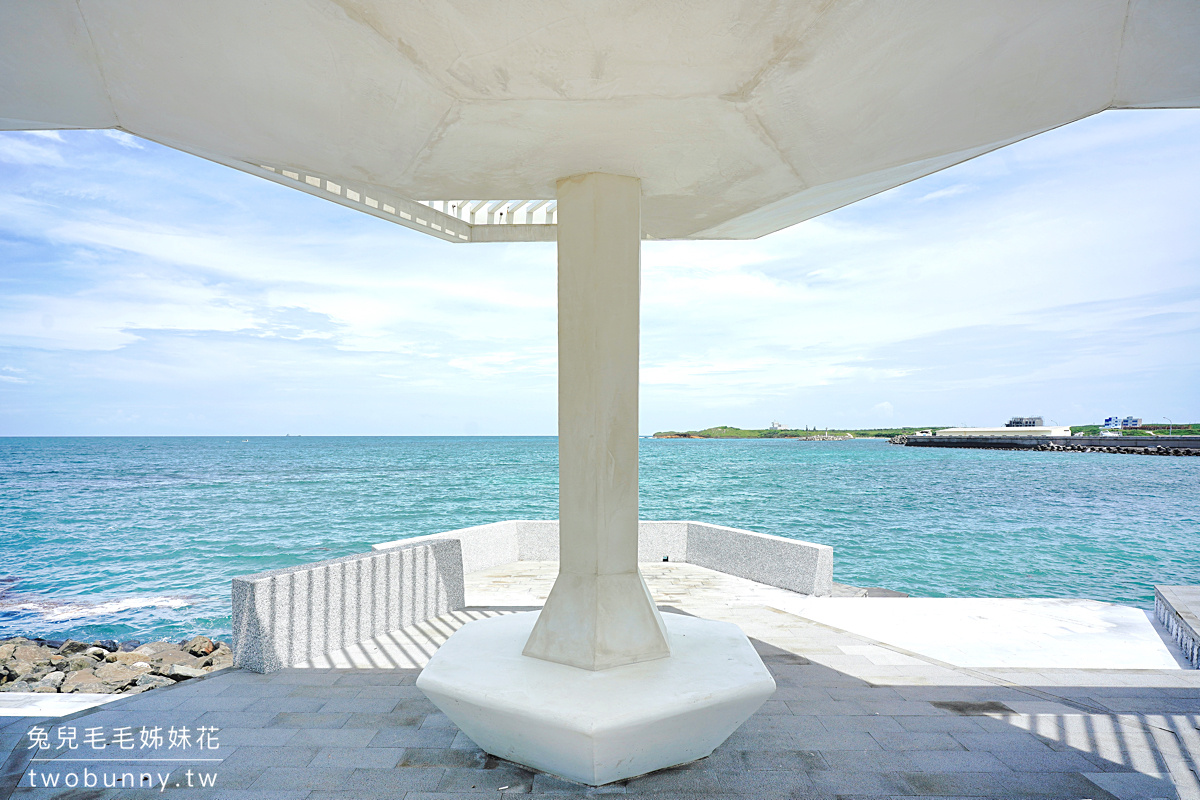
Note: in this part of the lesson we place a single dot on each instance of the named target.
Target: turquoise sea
(138, 537)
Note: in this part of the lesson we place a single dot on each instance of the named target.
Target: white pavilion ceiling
(740, 118)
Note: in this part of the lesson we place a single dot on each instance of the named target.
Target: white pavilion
(595, 125)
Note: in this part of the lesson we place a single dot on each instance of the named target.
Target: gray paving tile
(299, 719)
(444, 757)
(785, 724)
(839, 783)
(943, 724)
(941, 761)
(257, 690)
(908, 740)
(327, 737)
(1056, 785)
(548, 784)
(276, 778)
(391, 692)
(1006, 740)
(326, 692)
(411, 737)
(772, 707)
(370, 757)
(373, 705)
(256, 737)
(462, 742)
(826, 708)
(236, 719)
(295, 704)
(842, 740)
(1045, 761)
(869, 724)
(743, 760)
(307, 677)
(397, 719)
(264, 757)
(755, 783)
(800, 694)
(900, 708)
(511, 778)
(865, 694)
(1133, 785)
(377, 677)
(438, 720)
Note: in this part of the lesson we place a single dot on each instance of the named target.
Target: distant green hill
(727, 432)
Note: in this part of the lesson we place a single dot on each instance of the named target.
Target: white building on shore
(1042, 430)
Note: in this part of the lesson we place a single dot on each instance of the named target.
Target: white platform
(599, 726)
(38, 704)
(1000, 632)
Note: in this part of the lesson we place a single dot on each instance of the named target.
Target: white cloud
(949, 191)
(124, 139)
(29, 150)
(1053, 277)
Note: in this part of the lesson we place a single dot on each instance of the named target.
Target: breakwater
(105, 667)
(1136, 445)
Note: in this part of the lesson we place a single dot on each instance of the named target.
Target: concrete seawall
(283, 617)
(1124, 443)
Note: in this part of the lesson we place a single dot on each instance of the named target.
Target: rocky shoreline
(107, 667)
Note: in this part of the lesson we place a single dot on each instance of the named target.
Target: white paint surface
(999, 632)
(600, 613)
(739, 117)
(39, 704)
(596, 727)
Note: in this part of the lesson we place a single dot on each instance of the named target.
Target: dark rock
(200, 646)
(109, 644)
(129, 646)
(117, 676)
(32, 653)
(73, 648)
(153, 681)
(53, 680)
(179, 672)
(76, 663)
(156, 648)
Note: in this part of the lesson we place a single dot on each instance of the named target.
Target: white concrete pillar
(599, 613)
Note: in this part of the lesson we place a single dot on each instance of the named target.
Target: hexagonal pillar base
(596, 727)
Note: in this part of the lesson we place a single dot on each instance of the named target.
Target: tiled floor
(852, 717)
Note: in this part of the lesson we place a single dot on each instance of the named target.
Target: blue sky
(148, 292)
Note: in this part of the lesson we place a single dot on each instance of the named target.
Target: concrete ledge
(798, 566)
(286, 616)
(1178, 608)
(790, 564)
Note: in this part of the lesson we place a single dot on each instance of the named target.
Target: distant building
(776, 426)
(1025, 422)
(1040, 430)
(1122, 422)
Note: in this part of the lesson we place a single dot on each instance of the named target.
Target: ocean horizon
(137, 537)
